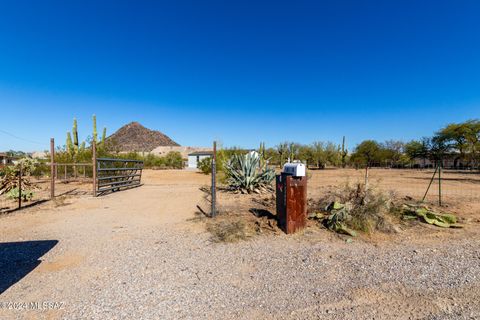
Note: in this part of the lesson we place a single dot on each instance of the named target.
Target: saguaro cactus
(261, 153)
(344, 153)
(104, 136)
(292, 151)
(69, 144)
(75, 135)
(95, 135)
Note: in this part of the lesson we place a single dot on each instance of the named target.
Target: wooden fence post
(94, 166)
(52, 168)
(20, 187)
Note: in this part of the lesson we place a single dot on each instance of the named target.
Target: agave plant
(245, 173)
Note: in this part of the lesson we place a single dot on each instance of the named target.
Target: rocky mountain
(135, 137)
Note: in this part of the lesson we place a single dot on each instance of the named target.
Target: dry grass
(229, 229)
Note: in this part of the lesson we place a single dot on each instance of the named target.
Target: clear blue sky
(236, 71)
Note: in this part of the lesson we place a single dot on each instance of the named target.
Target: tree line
(457, 142)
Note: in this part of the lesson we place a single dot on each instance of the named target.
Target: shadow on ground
(17, 259)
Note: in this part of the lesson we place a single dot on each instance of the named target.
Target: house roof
(201, 153)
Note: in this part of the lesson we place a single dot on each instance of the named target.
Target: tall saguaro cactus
(344, 153)
(75, 135)
(69, 144)
(95, 135)
(104, 136)
(261, 152)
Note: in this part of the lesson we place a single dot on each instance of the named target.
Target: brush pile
(352, 208)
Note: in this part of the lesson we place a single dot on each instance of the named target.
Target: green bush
(174, 160)
(205, 165)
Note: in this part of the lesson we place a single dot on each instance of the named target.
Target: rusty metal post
(291, 202)
(52, 168)
(214, 179)
(20, 187)
(94, 167)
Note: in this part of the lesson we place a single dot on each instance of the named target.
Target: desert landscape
(146, 253)
(240, 160)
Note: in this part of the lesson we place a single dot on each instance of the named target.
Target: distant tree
(367, 153)
(438, 149)
(318, 154)
(392, 152)
(451, 138)
(17, 154)
(272, 156)
(473, 139)
(333, 154)
(305, 154)
(463, 138)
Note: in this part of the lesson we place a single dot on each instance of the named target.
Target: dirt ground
(142, 253)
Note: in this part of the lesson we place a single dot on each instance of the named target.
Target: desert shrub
(42, 169)
(174, 160)
(152, 161)
(9, 180)
(28, 165)
(358, 208)
(246, 174)
(205, 165)
(368, 208)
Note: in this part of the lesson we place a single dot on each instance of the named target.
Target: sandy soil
(139, 254)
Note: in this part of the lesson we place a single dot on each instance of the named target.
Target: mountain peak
(135, 137)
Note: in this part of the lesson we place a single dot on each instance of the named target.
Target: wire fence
(70, 180)
(452, 186)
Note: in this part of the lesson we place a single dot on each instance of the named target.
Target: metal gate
(116, 174)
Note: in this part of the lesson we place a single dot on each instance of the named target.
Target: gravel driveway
(135, 256)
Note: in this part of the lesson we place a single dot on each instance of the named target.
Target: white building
(195, 157)
(4, 159)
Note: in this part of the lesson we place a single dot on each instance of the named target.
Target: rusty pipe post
(52, 168)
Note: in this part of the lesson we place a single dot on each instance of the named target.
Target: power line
(19, 138)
